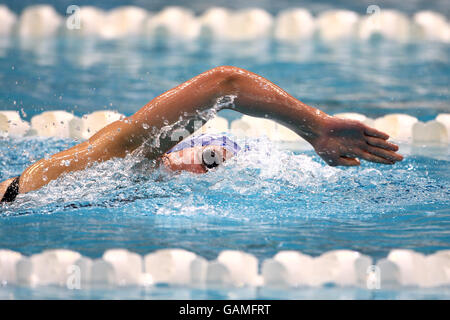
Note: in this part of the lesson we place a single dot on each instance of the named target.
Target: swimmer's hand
(342, 142)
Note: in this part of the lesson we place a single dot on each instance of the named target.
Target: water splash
(266, 183)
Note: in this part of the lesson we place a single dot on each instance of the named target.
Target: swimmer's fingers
(383, 153)
(375, 133)
(381, 143)
(374, 157)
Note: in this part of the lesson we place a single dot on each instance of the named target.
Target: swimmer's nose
(210, 158)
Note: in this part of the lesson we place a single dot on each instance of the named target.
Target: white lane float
(123, 21)
(248, 126)
(119, 267)
(242, 267)
(287, 268)
(91, 21)
(432, 26)
(8, 261)
(52, 124)
(39, 21)
(429, 132)
(7, 20)
(169, 266)
(341, 267)
(89, 124)
(175, 22)
(214, 22)
(444, 118)
(337, 24)
(51, 267)
(294, 25)
(12, 124)
(128, 266)
(249, 24)
(417, 269)
(253, 127)
(411, 266)
(391, 24)
(215, 125)
(102, 273)
(397, 126)
(356, 116)
(438, 269)
(291, 268)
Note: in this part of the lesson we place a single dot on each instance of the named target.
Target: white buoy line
(291, 25)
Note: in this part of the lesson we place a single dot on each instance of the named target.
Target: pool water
(276, 197)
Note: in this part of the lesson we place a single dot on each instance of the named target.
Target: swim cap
(207, 140)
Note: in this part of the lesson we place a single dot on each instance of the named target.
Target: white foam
(294, 24)
(123, 21)
(7, 20)
(127, 265)
(170, 266)
(12, 124)
(429, 132)
(39, 20)
(52, 124)
(432, 25)
(47, 268)
(398, 126)
(243, 267)
(8, 261)
(249, 24)
(337, 24)
(89, 124)
(390, 24)
(176, 22)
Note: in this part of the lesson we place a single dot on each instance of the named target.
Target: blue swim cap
(207, 140)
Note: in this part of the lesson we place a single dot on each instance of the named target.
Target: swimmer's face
(196, 159)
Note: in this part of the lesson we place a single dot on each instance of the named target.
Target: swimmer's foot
(342, 142)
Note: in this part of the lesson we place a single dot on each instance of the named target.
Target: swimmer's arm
(337, 141)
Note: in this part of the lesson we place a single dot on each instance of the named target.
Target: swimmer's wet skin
(339, 142)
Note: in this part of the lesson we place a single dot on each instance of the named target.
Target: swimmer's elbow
(229, 77)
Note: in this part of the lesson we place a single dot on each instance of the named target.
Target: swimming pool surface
(274, 198)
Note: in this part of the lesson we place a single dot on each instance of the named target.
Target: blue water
(262, 202)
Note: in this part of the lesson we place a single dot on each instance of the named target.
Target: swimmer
(337, 141)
